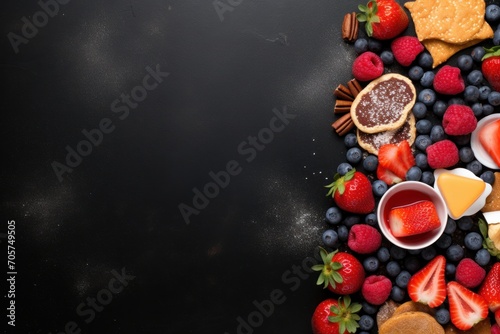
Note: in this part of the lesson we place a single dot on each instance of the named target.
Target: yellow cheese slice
(459, 192)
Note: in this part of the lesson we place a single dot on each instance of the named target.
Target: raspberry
(442, 154)
(376, 289)
(495, 329)
(469, 273)
(364, 239)
(459, 120)
(367, 66)
(449, 81)
(406, 49)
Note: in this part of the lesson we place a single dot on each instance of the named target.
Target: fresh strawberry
(428, 285)
(341, 272)
(384, 19)
(352, 192)
(489, 137)
(397, 158)
(387, 176)
(491, 67)
(335, 317)
(490, 289)
(413, 219)
(466, 307)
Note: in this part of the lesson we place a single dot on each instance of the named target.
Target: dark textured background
(118, 209)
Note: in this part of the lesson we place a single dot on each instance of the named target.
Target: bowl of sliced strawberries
(412, 215)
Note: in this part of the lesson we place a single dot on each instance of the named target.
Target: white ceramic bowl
(479, 152)
(408, 192)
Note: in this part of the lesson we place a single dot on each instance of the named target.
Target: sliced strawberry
(416, 218)
(387, 176)
(405, 155)
(397, 158)
(490, 289)
(428, 285)
(489, 137)
(466, 307)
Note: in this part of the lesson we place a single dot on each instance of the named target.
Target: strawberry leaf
(491, 52)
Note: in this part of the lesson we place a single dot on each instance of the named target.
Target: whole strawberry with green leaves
(491, 67)
(336, 316)
(352, 192)
(384, 19)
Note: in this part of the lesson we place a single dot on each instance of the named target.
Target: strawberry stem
(491, 52)
(339, 182)
(345, 314)
(368, 14)
(328, 270)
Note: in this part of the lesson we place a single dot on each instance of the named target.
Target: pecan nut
(350, 27)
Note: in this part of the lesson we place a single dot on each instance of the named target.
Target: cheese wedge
(459, 192)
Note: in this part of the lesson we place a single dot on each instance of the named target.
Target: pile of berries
(450, 101)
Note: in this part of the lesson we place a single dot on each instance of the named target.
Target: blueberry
(352, 220)
(488, 176)
(428, 253)
(414, 174)
(439, 108)
(393, 268)
(371, 264)
(484, 91)
(343, 233)
(437, 133)
(465, 223)
(465, 62)
(496, 37)
(423, 126)
(397, 252)
(387, 57)
(494, 98)
(456, 100)
(451, 226)
(475, 167)
(371, 219)
(473, 241)
(354, 155)
(397, 294)
(492, 13)
(414, 251)
(421, 160)
(455, 253)
(450, 269)
(444, 241)
(374, 45)
(369, 308)
(466, 154)
(361, 45)
(482, 257)
(425, 60)
(427, 96)
(333, 215)
(379, 187)
(471, 93)
(477, 109)
(343, 168)
(475, 77)
(383, 254)
(488, 109)
(442, 316)
(370, 163)
(411, 264)
(427, 177)
(427, 79)
(366, 322)
(478, 53)
(330, 238)
(402, 279)
(350, 140)
(422, 142)
(419, 110)
(415, 73)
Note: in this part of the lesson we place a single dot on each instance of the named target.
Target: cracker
(493, 199)
(450, 21)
